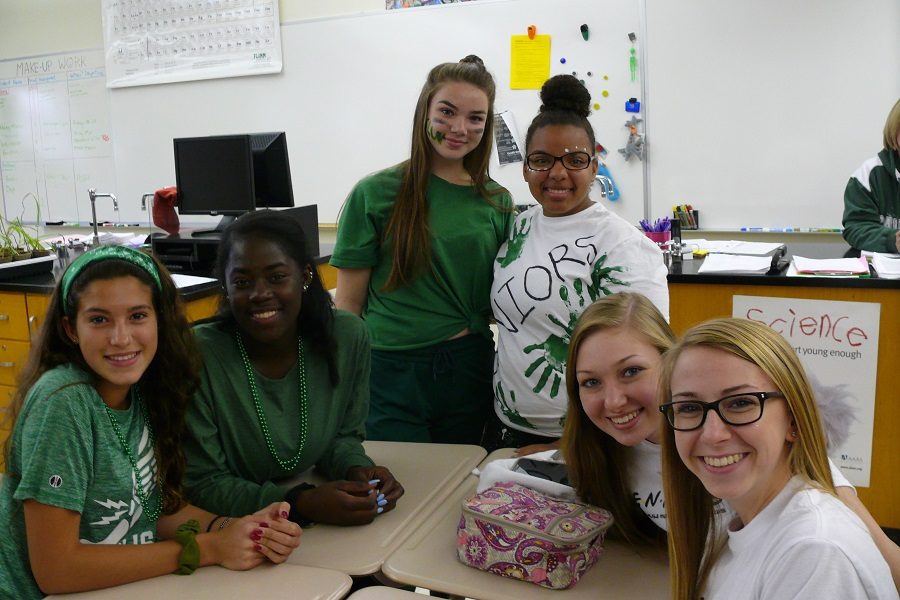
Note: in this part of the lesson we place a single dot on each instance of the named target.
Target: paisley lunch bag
(518, 532)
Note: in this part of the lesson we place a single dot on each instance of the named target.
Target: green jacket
(872, 204)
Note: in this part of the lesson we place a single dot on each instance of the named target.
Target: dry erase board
(760, 111)
(55, 135)
(349, 86)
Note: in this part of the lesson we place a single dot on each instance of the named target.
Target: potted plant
(7, 246)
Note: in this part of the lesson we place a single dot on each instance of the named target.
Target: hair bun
(473, 59)
(565, 92)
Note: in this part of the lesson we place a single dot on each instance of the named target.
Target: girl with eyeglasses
(743, 426)
(414, 251)
(94, 463)
(611, 442)
(562, 254)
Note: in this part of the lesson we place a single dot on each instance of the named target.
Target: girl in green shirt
(415, 248)
(94, 463)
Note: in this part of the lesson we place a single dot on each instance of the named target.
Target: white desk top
(428, 559)
(381, 592)
(216, 583)
(428, 473)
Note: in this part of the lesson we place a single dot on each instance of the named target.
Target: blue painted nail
(374, 481)
(370, 492)
(382, 502)
(380, 510)
(380, 497)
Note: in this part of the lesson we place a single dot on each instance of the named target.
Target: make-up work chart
(55, 135)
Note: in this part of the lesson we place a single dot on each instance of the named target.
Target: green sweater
(65, 453)
(229, 468)
(872, 204)
(466, 232)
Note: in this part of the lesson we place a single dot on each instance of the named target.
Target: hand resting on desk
(347, 502)
(387, 485)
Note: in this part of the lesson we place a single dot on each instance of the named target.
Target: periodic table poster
(55, 136)
(164, 41)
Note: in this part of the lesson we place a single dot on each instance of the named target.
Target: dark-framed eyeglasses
(739, 409)
(573, 161)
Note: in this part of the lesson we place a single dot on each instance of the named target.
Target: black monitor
(230, 175)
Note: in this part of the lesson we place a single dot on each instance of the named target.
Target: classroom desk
(380, 592)
(428, 473)
(217, 583)
(428, 559)
(694, 298)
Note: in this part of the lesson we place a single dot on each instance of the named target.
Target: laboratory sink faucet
(94, 195)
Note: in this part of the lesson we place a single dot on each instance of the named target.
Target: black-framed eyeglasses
(573, 161)
(739, 409)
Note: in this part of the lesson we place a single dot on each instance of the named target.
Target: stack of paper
(829, 267)
(886, 265)
(733, 263)
(734, 246)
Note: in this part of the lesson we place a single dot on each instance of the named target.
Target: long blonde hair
(597, 463)
(689, 507)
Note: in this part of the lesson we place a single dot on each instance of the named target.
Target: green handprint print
(508, 410)
(516, 243)
(556, 347)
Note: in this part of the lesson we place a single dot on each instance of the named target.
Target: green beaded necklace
(153, 515)
(291, 463)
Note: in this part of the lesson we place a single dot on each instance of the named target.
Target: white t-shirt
(545, 275)
(645, 474)
(804, 544)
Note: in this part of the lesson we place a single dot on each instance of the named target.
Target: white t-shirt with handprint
(545, 275)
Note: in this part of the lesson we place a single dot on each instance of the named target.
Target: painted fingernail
(284, 514)
(374, 481)
(382, 502)
(370, 492)
(380, 497)
(380, 510)
(263, 524)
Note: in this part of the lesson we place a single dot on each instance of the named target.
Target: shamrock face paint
(456, 120)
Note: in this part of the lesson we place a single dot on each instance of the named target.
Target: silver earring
(794, 433)
(305, 286)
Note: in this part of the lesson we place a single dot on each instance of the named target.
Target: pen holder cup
(682, 218)
(661, 238)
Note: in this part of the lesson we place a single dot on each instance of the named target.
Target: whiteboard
(55, 139)
(760, 111)
(348, 89)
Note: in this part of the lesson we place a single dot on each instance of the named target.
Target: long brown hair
(694, 541)
(598, 463)
(167, 385)
(407, 232)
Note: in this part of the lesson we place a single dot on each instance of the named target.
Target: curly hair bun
(473, 59)
(566, 93)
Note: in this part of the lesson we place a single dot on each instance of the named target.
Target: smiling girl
(284, 387)
(95, 462)
(562, 255)
(743, 426)
(414, 251)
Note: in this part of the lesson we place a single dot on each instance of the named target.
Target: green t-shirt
(466, 232)
(65, 453)
(229, 467)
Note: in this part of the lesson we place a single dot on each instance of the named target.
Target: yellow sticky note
(529, 65)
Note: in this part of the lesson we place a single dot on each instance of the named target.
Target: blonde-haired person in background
(743, 426)
(872, 196)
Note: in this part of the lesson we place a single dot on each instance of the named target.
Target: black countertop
(45, 282)
(686, 271)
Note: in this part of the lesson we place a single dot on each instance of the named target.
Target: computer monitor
(230, 175)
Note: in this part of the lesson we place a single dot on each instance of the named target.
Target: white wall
(29, 27)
